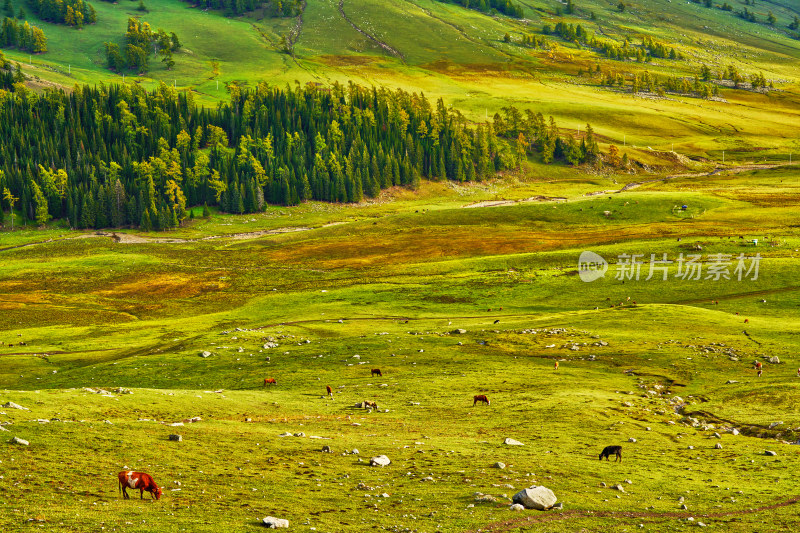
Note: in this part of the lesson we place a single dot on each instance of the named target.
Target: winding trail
(395, 52)
(510, 525)
(461, 32)
(718, 170)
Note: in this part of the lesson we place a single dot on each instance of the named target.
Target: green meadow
(112, 341)
(113, 334)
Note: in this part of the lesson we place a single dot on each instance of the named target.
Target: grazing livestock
(746, 320)
(368, 404)
(612, 450)
(129, 479)
(556, 366)
(330, 390)
(758, 365)
(376, 371)
(480, 398)
(270, 381)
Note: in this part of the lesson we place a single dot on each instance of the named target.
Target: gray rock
(536, 497)
(300, 434)
(718, 446)
(12, 405)
(618, 487)
(499, 465)
(355, 451)
(326, 449)
(717, 435)
(205, 354)
(22, 442)
(512, 442)
(559, 505)
(631, 439)
(176, 438)
(516, 507)
(734, 431)
(458, 331)
(774, 360)
(380, 460)
(770, 453)
(274, 523)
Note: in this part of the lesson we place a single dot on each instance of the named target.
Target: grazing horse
(375, 371)
(480, 398)
(556, 365)
(129, 479)
(612, 450)
(330, 390)
(270, 381)
(368, 404)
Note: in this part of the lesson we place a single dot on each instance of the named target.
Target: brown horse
(376, 371)
(270, 381)
(480, 398)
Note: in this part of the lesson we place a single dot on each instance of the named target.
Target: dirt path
(129, 238)
(718, 170)
(510, 525)
(499, 203)
(393, 51)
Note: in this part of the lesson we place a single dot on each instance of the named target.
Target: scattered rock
(12, 405)
(774, 360)
(458, 331)
(618, 487)
(22, 442)
(273, 523)
(516, 507)
(770, 453)
(499, 465)
(631, 439)
(536, 497)
(326, 449)
(380, 460)
(734, 431)
(718, 446)
(559, 505)
(205, 354)
(512, 442)
(176, 438)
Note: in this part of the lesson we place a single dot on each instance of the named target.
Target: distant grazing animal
(270, 381)
(758, 365)
(746, 320)
(330, 390)
(368, 403)
(489, 309)
(556, 366)
(129, 479)
(376, 371)
(480, 398)
(612, 450)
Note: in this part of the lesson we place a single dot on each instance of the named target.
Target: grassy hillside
(383, 285)
(459, 54)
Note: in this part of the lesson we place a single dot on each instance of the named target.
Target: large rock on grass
(536, 497)
(380, 460)
(273, 523)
